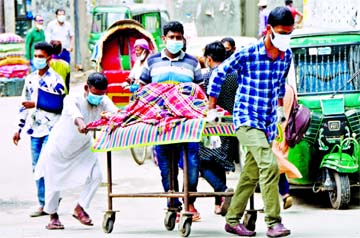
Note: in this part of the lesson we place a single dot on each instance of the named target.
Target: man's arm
(28, 41)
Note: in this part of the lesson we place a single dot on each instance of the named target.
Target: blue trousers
(284, 186)
(171, 153)
(37, 143)
(215, 175)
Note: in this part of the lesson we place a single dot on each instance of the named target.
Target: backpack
(298, 123)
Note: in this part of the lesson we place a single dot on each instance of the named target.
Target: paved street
(139, 217)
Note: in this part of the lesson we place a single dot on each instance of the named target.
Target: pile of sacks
(13, 65)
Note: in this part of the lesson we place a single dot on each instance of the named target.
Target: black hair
(230, 40)
(57, 46)
(59, 10)
(287, 2)
(173, 26)
(280, 16)
(216, 51)
(36, 16)
(98, 81)
(45, 47)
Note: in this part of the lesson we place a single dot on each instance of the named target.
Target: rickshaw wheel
(139, 154)
(340, 196)
(170, 220)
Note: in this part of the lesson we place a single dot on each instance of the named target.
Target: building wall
(210, 17)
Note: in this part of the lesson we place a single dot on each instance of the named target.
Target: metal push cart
(108, 141)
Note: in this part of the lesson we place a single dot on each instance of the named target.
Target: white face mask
(280, 41)
(61, 18)
(142, 56)
(39, 26)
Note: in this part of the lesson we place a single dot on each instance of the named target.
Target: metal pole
(2, 16)
(77, 35)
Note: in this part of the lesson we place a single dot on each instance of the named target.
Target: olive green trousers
(260, 166)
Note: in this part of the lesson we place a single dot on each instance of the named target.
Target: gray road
(139, 217)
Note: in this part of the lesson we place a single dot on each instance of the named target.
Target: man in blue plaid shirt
(262, 69)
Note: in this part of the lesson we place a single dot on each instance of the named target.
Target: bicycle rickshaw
(116, 56)
(326, 70)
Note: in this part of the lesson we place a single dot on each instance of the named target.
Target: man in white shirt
(61, 30)
(41, 105)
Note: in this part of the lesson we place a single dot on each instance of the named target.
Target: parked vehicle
(151, 17)
(115, 58)
(326, 71)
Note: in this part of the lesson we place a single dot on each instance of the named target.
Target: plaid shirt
(261, 82)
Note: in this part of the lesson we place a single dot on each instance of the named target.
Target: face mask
(174, 46)
(61, 18)
(40, 63)
(39, 27)
(94, 99)
(228, 53)
(142, 56)
(280, 41)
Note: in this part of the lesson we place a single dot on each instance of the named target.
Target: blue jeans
(165, 152)
(37, 143)
(215, 175)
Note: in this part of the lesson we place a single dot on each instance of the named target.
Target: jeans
(260, 166)
(283, 185)
(164, 154)
(37, 143)
(215, 175)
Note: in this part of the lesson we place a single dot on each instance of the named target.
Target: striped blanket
(160, 114)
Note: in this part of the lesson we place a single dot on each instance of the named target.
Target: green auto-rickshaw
(326, 71)
(151, 17)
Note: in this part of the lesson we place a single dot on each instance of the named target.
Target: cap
(142, 43)
(262, 3)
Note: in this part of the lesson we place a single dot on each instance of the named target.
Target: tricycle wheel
(250, 220)
(108, 222)
(170, 220)
(340, 196)
(139, 154)
(185, 227)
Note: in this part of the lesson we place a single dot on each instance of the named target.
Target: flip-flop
(54, 225)
(83, 218)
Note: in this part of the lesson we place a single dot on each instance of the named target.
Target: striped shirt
(159, 68)
(261, 83)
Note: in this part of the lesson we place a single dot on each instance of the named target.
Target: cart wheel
(185, 227)
(139, 154)
(340, 196)
(250, 220)
(108, 222)
(170, 220)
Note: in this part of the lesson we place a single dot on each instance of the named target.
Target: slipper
(83, 218)
(196, 215)
(54, 225)
(288, 202)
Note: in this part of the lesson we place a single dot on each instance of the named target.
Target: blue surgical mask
(94, 99)
(174, 46)
(40, 63)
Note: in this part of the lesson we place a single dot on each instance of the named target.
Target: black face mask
(228, 53)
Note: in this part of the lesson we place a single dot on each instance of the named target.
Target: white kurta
(67, 159)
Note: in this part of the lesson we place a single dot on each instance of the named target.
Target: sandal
(83, 218)
(288, 201)
(54, 224)
(196, 215)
